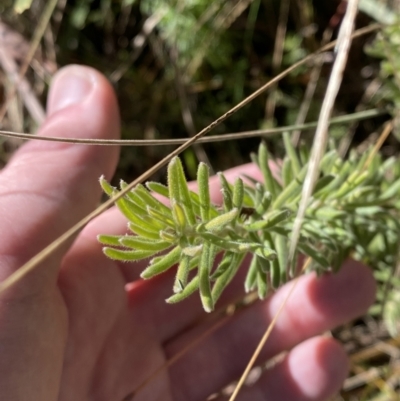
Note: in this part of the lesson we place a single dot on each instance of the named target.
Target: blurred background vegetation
(177, 65)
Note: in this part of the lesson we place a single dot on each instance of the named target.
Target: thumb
(48, 186)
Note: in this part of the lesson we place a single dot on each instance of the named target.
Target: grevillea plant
(354, 211)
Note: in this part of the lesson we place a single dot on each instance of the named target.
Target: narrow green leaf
(158, 188)
(304, 153)
(217, 223)
(182, 274)
(293, 265)
(159, 216)
(320, 233)
(291, 153)
(282, 251)
(251, 277)
(204, 191)
(251, 179)
(254, 158)
(151, 201)
(392, 191)
(129, 210)
(275, 274)
(264, 204)
(223, 265)
(143, 232)
(238, 194)
(270, 220)
(265, 253)
(361, 193)
(178, 215)
(173, 180)
(263, 161)
(192, 286)
(162, 264)
(193, 251)
(168, 235)
(144, 244)
(353, 181)
(132, 195)
(329, 213)
(106, 187)
(262, 286)
(223, 281)
(126, 256)
(314, 254)
(204, 277)
(257, 193)
(287, 172)
(322, 183)
(328, 161)
(341, 174)
(196, 206)
(186, 200)
(292, 190)
(226, 192)
(111, 240)
(263, 264)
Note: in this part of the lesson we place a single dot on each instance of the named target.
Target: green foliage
(354, 211)
(386, 47)
(21, 5)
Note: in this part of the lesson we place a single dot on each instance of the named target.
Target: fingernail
(70, 86)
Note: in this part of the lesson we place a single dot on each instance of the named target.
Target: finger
(49, 186)
(312, 371)
(44, 190)
(315, 306)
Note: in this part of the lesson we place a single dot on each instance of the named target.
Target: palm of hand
(76, 333)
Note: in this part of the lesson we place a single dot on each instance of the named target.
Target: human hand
(82, 327)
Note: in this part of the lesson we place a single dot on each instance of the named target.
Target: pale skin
(74, 330)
